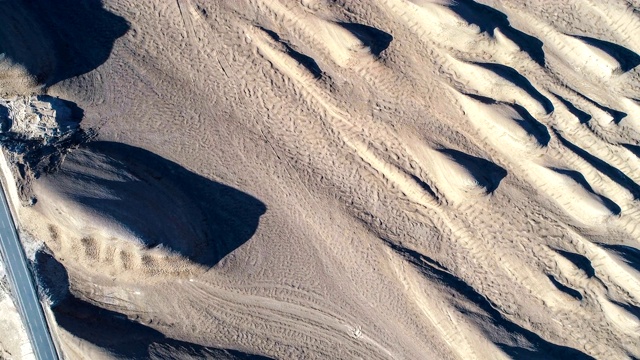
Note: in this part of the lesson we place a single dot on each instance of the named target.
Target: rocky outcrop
(36, 132)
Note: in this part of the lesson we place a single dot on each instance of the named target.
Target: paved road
(23, 286)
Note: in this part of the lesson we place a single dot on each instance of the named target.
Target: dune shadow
(423, 185)
(630, 255)
(630, 308)
(582, 116)
(580, 261)
(56, 40)
(130, 339)
(488, 174)
(112, 330)
(579, 178)
(513, 76)
(376, 39)
(532, 126)
(635, 149)
(539, 348)
(528, 122)
(625, 57)
(488, 19)
(611, 172)
(52, 278)
(564, 288)
(159, 201)
(308, 62)
(616, 115)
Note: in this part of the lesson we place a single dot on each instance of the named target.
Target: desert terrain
(316, 179)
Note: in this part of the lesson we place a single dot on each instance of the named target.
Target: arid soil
(315, 179)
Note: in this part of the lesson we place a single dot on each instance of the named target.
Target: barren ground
(307, 179)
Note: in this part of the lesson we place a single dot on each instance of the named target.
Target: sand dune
(572, 192)
(317, 179)
(129, 209)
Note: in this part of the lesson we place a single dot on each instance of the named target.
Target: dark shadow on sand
(165, 201)
(113, 331)
(625, 57)
(564, 288)
(510, 74)
(532, 126)
(580, 261)
(130, 339)
(635, 149)
(630, 255)
(528, 122)
(308, 62)
(539, 349)
(376, 39)
(5, 122)
(582, 116)
(602, 166)
(488, 174)
(617, 115)
(488, 19)
(579, 178)
(423, 185)
(632, 309)
(57, 40)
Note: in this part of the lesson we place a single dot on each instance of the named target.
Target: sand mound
(127, 208)
(472, 173)
(459, 176)
(573, 193)
(505, 124)
(83, 337)
(90, 331)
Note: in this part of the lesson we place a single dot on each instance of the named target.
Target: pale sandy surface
(348, 179)
(14, 343)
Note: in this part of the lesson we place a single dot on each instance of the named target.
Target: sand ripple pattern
(442, 179)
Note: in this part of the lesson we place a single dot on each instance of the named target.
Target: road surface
(23, 286)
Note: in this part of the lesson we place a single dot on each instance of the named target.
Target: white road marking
(25, 291)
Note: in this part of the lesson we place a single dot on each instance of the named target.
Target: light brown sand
(355, 179)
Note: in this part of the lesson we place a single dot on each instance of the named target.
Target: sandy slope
(342, 179)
